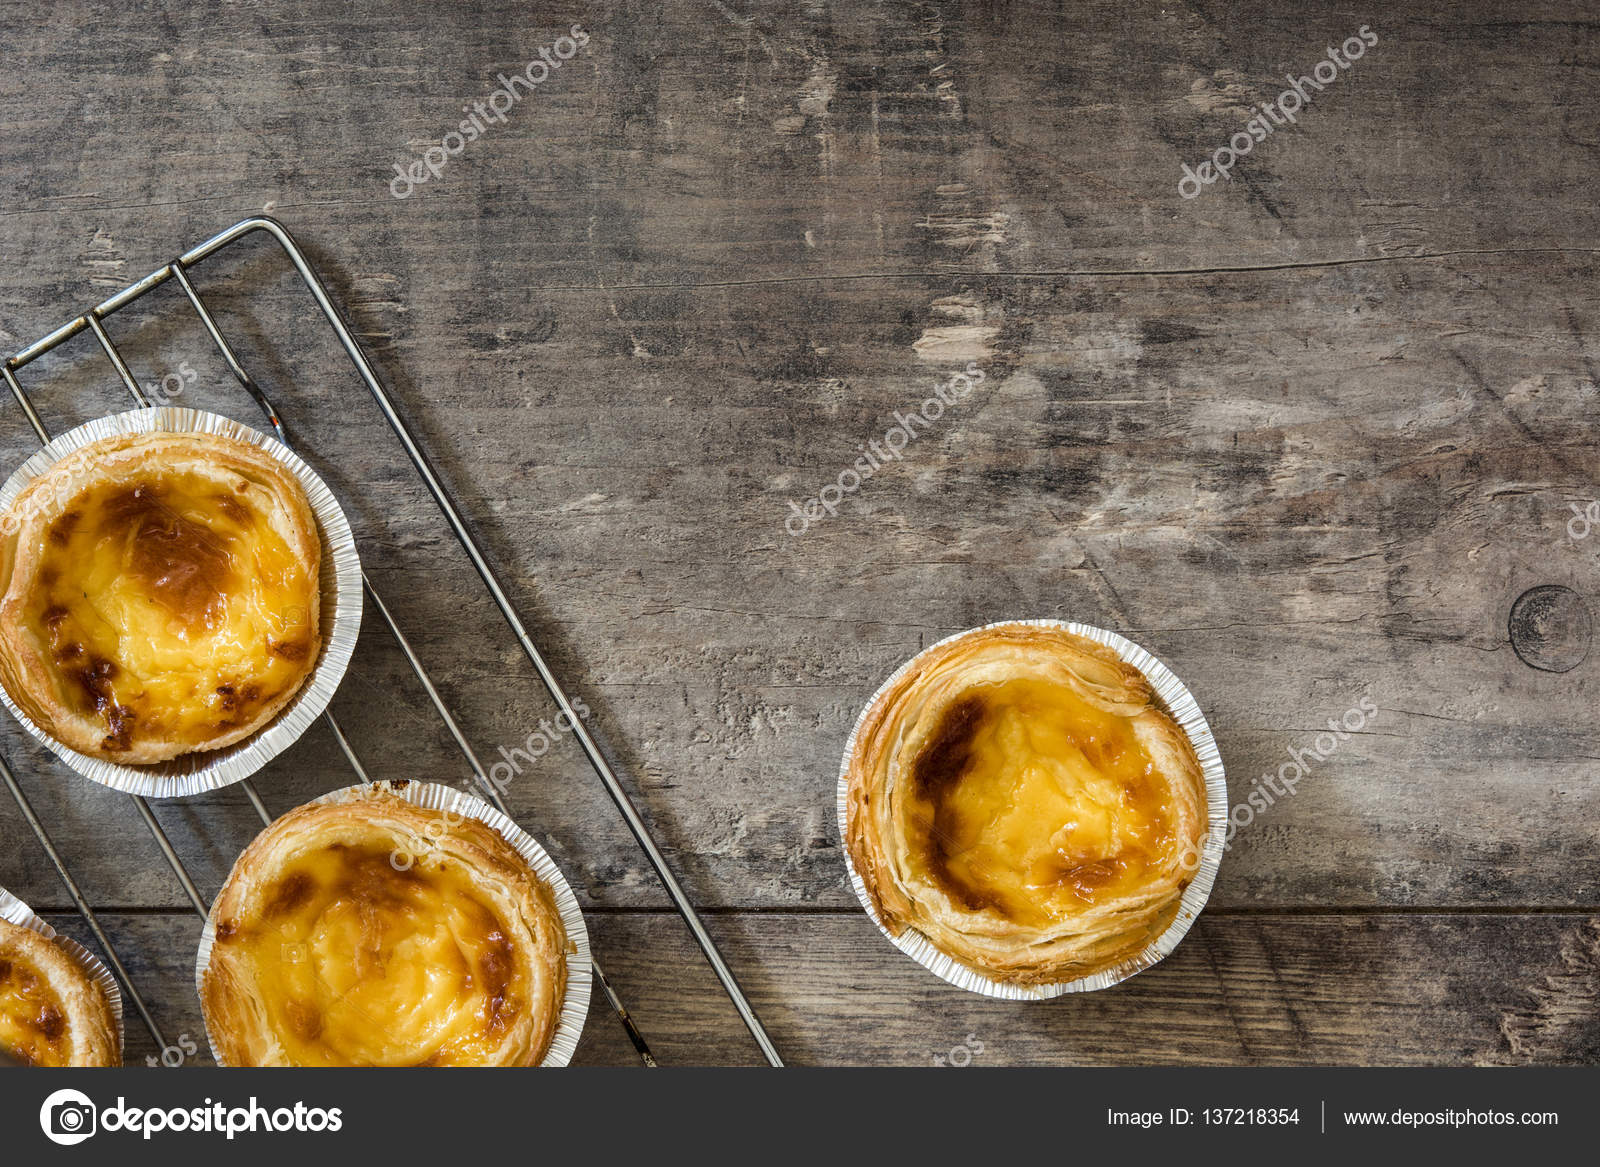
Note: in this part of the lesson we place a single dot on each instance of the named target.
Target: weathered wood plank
(1252, 989)
(696, 272)
(706, 142)
(1290, 537)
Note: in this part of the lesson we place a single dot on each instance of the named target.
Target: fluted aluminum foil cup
(20, 914)
(448, 800)
(1181, 705)
(340, 617)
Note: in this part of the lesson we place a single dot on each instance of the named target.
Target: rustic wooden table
(1307, 436)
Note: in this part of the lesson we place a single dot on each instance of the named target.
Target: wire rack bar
(641, 1047)
(43, 435)
(92, 322)
(136, 391)
(146, 812)
(129, 990)
(469, 543)
(249, 383)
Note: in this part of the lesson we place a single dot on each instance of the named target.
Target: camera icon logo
(67, 1117)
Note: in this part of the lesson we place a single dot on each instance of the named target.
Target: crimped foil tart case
(16, 912)
(341, 598)
(448, 800)
(1180, 704)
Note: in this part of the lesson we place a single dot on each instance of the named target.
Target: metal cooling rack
(178, 271)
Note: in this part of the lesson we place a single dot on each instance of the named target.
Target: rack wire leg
(641, 1047)
(491, 581)
(82, 904)
(91, 322)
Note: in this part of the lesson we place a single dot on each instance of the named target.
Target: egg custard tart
(160, 595)
(1018, 796)
(52, 1013)
(374, 932)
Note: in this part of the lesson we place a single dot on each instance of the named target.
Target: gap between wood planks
(1105, 273)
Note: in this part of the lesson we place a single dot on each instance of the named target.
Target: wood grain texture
(1256, 989)
(1307, 437)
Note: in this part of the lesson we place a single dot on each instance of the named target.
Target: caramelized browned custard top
(360, 964)
(170, 608)
(1033, 803)
(33, 1028)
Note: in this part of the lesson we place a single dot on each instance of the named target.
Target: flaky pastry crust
(1097, 906)
(376, 932)
(52, 1013)
(160, 595)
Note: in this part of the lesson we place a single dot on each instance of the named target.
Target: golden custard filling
(358, 963)
(33, 1026)
(1028, 800)
(169, 607)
